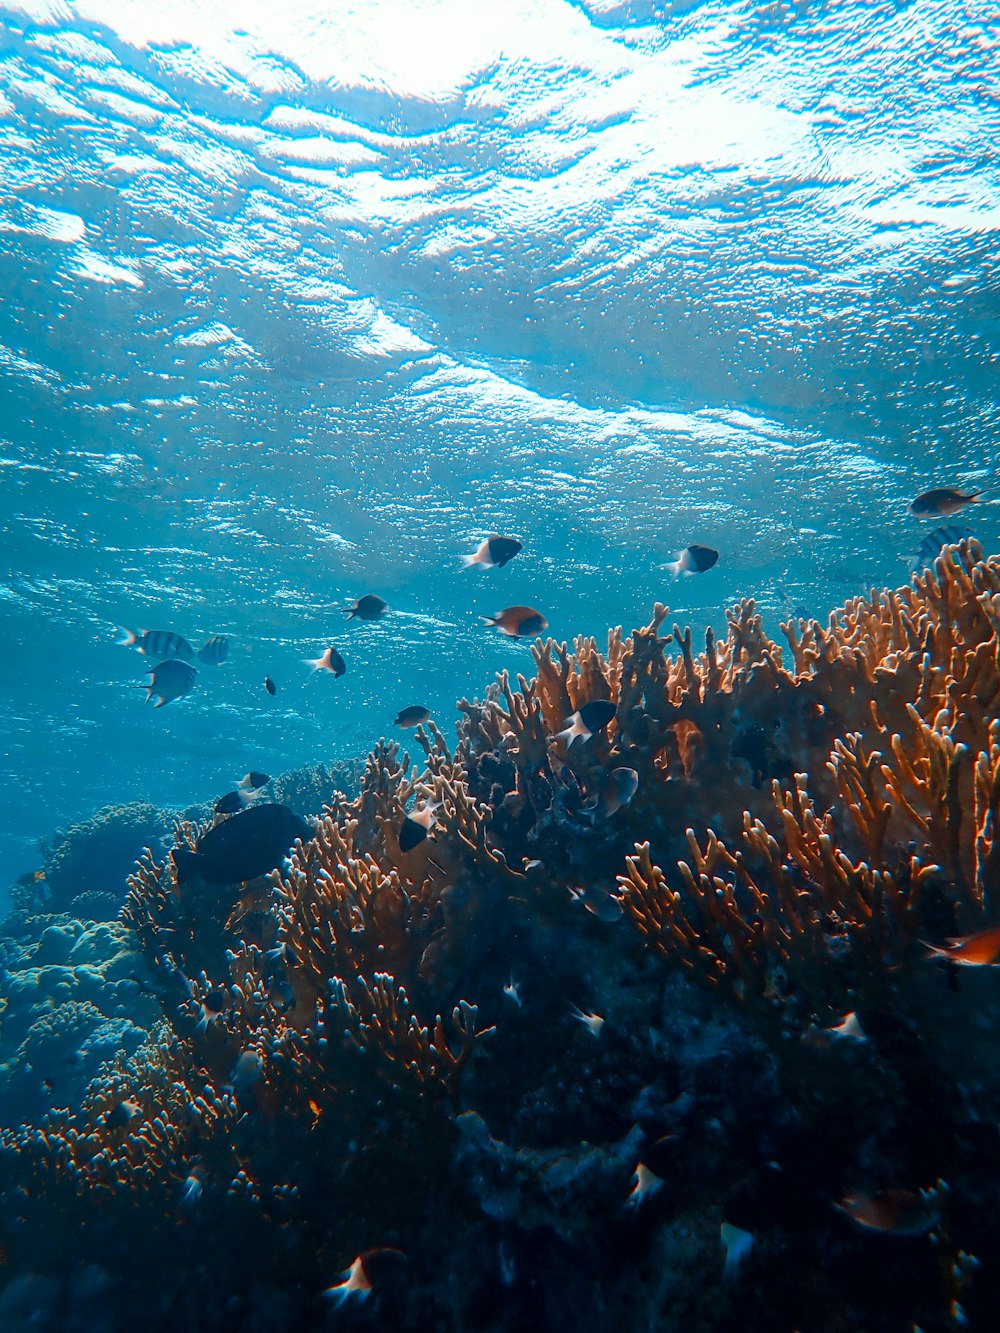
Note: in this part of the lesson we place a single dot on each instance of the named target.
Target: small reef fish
(941, 503)
(598, 902)
(518, 622)
(693, 560)
(933, 544)
(617, 790)
(212, 1007)
(330, 661)
(254, 779)
(162, 643)
(592, 717)
(270, 686)
(737, 1243)
(215, 651)
(902, 1212)
(412, 717)
(233, 802)
(245, 1072)
(415, 828)
(645, 1186)
(979, 950)
(366, 1270)
(848, 1028)
(170, 680)
(368, 607)
(246, 845)
(494, 553)
(592, 1022)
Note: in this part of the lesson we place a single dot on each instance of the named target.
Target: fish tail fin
(314, 663)
(675, 567)
(349, 611)
(490, 620)
(469, 560)
(125, 638)
(935, 950)
(573, 730)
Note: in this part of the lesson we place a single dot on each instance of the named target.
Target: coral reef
(557, 1018)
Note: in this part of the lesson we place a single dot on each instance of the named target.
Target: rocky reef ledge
(663, 1026)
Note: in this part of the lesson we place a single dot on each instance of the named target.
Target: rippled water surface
(301, 301)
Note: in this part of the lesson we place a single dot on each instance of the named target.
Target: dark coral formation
(550, 1058)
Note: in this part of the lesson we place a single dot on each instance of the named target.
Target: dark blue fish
(270, 686)
(245, 846)
(162, 643)
(170, 680)
(368, 607)
(215, 651)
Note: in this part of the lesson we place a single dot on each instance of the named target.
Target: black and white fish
(493, 553)
(161, 643)
(330, 661)
(591, 717)
(215, 651)
(254, 779)
(170, 680)
(693, 560)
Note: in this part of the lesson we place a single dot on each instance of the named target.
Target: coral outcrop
(641, 997)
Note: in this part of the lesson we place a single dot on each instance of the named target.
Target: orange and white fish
(330, 661)
(981, 949)
(901, 1212)
(518, 622)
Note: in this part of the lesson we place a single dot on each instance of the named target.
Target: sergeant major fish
(162, 643)
(170, 680)
(215, 651)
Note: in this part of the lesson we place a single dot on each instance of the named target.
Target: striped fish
(161, 643)
(215, 651)
(171, 680)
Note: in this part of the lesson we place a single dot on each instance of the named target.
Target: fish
(244, 846)
(599, 902)
(368, 607)
(518, 622)
(232, 802)
(412, 717)
(415, 828)
(245, 1072)
(981, 949)
(359, 1280)
(591, 717)
(170, 680)
(592, 1022)
(254, 779)
(737, 1243)
(330, 661)
(270, 686)
(213, 1006)
(215, 651)
(617, 790)
(935, 541)
(162, 643)
(493, 553)
(941, 503)
(902, 1212)
(30, 877)
(693, 560)
(646, 1184)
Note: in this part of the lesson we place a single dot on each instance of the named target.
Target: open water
(301, 301)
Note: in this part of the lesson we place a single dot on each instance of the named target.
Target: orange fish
(979, 950)
(900, 1211)
(518, 622)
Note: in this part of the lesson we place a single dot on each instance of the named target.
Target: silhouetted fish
(495, 552)
(518, 622)
(412, 717)
(254, 779)
(941, 503)
(591, 717)
(232, 802)
(170, 680)
(368, 607)
(162, 643)
(270, 686)
(215, 651)
(249, 844)
(693, 560)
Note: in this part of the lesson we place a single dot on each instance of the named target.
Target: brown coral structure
(379, 1047)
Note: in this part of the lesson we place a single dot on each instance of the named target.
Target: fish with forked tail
(170, 680)
(162, 643)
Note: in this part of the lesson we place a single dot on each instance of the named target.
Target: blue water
(300, 302)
